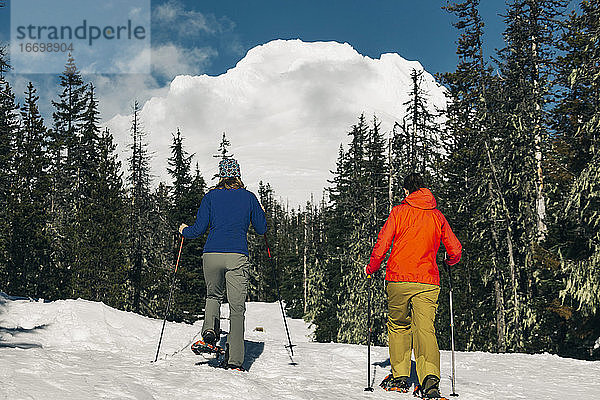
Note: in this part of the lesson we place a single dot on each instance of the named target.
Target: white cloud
(116, 93)
(170, 60)
(285, 107)
(176, 18)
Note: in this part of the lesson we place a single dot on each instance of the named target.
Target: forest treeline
(513, 162)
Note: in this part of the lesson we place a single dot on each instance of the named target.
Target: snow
(85, 350)
(286, 108)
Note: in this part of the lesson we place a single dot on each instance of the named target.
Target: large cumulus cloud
(286, 107)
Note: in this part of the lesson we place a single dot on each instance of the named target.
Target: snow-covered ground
(77, 349)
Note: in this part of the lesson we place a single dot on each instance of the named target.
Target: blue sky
(191, 37)
(416, 30)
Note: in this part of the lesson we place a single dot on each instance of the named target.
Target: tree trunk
(509, 244)
(540, 201)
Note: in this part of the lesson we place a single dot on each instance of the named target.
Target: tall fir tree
(64, 147)
(358, 207)
(185, 196)
(470, 195)
(9, 125)
(576, 181)
(421, 128)
(87, 270)
(139, 227)
(109, 216)
(29, 244)
(523, 140)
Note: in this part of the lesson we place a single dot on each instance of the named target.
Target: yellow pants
(411, 313)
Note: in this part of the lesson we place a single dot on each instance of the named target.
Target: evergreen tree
(29, 244)
(66, 157)
(583, 272)
(8, 132)
(159, 248)
(261, 285)
(109, 217)
(186, 194)
(574, 175)
(523, 140)
(421, 128)
(140, 226)
(367, 169)
(470, 196)
(327, 274)
(87, 271)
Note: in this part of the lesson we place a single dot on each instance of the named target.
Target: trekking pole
(451, 328)
(169, 302)
(287, 331)
(369, 388)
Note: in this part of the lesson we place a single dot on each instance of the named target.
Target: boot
(430, 388)
(399, 384)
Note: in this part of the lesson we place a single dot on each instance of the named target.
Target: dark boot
(430, 388)
(209, 337)
(225, 361)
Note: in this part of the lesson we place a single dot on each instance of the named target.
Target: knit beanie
(229, 168)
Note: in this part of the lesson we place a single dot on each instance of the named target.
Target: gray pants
(227, 271)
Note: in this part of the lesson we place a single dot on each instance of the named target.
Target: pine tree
(180, 171)
(327, 274)
(8, 132)
(526, 63)
(109, 222)
(583, 272)
(186, 194)
(261, 286)
(159, 247)
(87, 271)
(470, 196)
(140, 205)
(421, 128)
(29, 244)
(575, 179)
(66, 157)
(359, 199)
(223, 148)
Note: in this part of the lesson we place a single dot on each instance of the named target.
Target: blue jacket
(227, 213)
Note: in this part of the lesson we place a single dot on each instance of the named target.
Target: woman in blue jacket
(227, 211)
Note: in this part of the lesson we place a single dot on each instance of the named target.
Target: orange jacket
(415, 227)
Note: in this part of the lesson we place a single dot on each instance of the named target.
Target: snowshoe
(400, 384)
(208, 344)
(201, 347)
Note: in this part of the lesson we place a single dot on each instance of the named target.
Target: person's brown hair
(413, 182)
(229, 183)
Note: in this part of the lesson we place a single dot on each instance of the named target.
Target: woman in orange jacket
(415, 228)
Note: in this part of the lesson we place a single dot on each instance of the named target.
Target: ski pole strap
(179, 255)
(267, 245)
